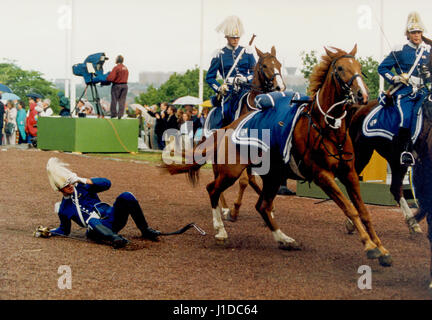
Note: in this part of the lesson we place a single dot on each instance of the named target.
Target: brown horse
(267, 78)
(321, 148)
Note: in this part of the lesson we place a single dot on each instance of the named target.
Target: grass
(150, 157)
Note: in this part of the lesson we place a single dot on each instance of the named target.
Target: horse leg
(243, 183)
(396, 191)
(429, 222)
(222, 201)
(353, 188)
(265, 206)
(363, 154)
(214, 189)
(226, 212)
(328, 185)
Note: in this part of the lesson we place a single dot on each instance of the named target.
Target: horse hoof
(373, 253)
(290, 246)
(415, 230)
(221, 241)
(231, 218)
(385, 260)
(349, 225)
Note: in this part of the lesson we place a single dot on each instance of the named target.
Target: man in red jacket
(119, 78)
(31, 121)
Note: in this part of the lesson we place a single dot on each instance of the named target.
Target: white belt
(415, 81)
(93, 215)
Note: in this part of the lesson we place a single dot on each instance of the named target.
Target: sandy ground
(192, 266)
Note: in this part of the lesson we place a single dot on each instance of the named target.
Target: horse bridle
(268, 82)
(346, 88)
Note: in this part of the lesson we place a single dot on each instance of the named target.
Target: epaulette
(427, 47)
(398, 47)
(216, 53)
(249, 50)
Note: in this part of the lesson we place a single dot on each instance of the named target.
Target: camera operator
(119, 78)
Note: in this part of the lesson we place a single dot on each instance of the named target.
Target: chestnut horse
(267, 78)
(321, 147)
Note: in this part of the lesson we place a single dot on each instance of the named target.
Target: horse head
(267, 74)
(346, 72)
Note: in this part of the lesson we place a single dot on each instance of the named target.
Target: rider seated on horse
(410, 62)
(235, 64)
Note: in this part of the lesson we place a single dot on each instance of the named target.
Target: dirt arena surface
(192, 266)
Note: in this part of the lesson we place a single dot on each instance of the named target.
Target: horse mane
(319, 72)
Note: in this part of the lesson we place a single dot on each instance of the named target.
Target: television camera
(92, 72)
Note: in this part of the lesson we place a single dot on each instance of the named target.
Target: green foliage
(175, 87)
(309, 60)
(369, 68)
(22, 82)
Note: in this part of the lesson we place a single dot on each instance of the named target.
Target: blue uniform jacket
(87, 199)
(224, 60)
(402, 59)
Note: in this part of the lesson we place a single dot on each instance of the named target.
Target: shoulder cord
(78, 208)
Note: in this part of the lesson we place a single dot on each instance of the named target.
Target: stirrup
(407, 159)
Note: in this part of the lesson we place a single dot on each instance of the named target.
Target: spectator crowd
(19, 122)
(157, 123)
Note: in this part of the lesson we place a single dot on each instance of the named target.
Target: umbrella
(135, 106)
(206, 104)
(4, 88)
(188, 100)
(34, 95)
(10, 96)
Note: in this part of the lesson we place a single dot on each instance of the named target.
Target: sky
(164, 35)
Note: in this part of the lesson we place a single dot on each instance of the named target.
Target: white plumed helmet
(58, 175)
(231, 27)
(414, 23)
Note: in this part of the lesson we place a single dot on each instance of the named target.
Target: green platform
(88, 135)
(372, 193)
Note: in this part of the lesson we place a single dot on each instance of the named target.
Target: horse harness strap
(339, 146)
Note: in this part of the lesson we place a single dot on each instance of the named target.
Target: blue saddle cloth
(220, 117)
(383, 121)
(278, 115)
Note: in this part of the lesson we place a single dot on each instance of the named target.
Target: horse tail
(204, 148)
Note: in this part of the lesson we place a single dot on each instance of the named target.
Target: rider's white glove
(241, 79)
(223, 89)
(403, 78)
(74, 179)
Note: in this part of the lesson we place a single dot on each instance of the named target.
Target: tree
(369, 70)
(309, 61)
(178, 85)
(22, 82)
